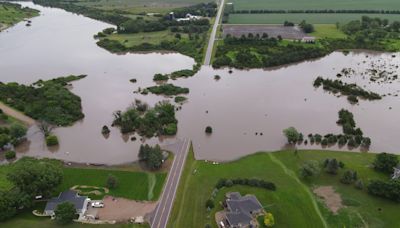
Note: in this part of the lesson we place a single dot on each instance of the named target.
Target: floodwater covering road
(247, 109)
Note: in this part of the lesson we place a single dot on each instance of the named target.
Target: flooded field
(237, 106)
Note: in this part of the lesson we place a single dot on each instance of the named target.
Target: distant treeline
(266, 11)
(112, 17)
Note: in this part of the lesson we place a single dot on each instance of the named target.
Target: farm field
(297, 18)
(293, 204)
(315, 4)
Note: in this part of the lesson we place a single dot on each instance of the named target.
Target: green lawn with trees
(292, 203)
(12, 13)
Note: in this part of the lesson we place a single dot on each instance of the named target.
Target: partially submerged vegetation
(146, 121)
(167, 89)
(352, 136)
(259, 50)
(352, 91)
(12, 13)
(50, 101)
(12, 133)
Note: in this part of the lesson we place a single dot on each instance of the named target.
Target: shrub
(349, 177)
(269, 220)
(385, 162)
(389, 190)
(309, 169)
(10, 154)
(105, 130)
(210, 204)
(209, 130)
(180, 99)
(112, 181)
(51, 140)
(331, 166)
(160, 77)
(359, 184)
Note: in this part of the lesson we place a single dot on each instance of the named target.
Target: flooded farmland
(247, 109)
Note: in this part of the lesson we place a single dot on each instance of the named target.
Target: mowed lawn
(293, 204)
(131, 185)
(327, 30)
(316, 4)
(314, 18)
(134, 39)
(291, 198)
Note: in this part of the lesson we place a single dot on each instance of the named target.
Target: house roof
(241, 209)
(67, 196)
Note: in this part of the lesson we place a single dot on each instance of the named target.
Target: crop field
(296, 18)
(315, 4)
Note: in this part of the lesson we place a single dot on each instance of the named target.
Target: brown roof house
(242, 210)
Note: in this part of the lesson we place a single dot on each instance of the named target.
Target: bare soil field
(331, 198)
(272, 30)
(121, 209)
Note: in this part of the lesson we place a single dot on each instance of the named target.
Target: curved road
(207, 60)
(161, 215)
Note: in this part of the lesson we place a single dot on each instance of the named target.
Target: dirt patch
(286, 32)
(331, 198)
(121, 209)
(17, 114)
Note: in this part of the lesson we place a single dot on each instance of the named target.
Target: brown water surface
(238, 106)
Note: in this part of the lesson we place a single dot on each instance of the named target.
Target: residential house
(80, 203)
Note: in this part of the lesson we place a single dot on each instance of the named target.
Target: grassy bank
(11, 14)
(328, 31)
(293, 204)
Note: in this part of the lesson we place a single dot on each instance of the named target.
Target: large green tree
(36, 177)
(385, 162)
(65, 213)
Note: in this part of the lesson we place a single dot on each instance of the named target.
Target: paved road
(161, 215)
(207, 60)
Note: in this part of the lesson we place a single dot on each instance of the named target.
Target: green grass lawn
(316, 4)
(10, 15)
(134, 185)
(131, 185)
(134, 39)
(327, 30)
(293, 204)
(298, 17)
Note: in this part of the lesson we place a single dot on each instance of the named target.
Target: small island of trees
(146, 121)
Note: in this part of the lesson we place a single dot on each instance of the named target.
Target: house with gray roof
(80, 202)
(242, 210)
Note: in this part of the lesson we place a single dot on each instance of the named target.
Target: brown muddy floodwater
(238, 106)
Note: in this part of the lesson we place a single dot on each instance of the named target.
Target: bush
(309, 169)
(160, 77)
(179, 99)
(51, 140)
(210, 204)
(385, 162)
(152, 156)
(269, 220)
(359, 184)
(112, 182)
(389, 190)
(209, 130)
(349, 177)
(10, 154)
(105, 130)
